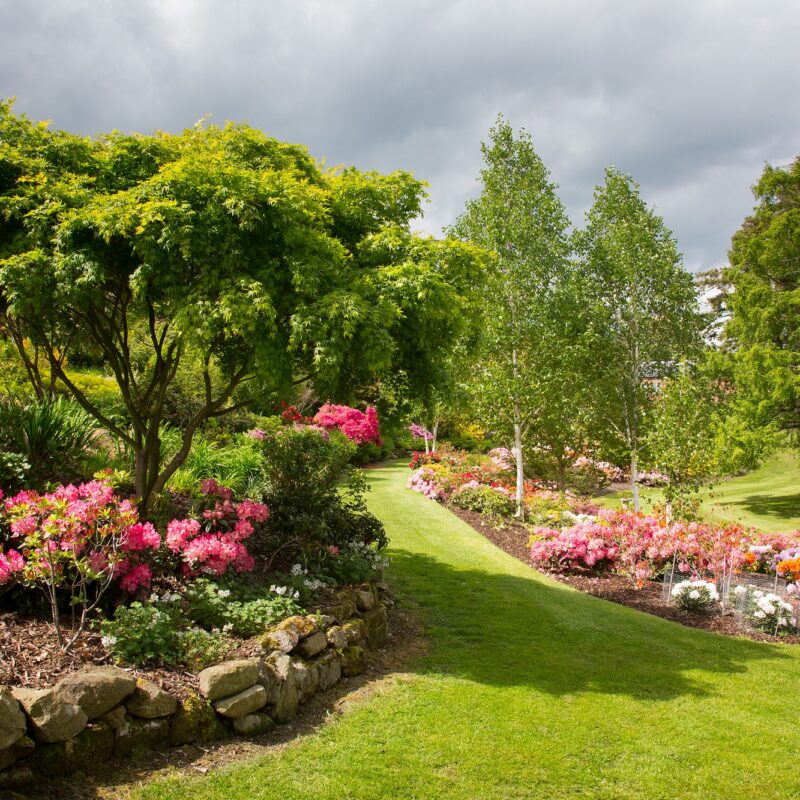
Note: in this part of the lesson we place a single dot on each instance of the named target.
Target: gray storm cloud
(690, 97)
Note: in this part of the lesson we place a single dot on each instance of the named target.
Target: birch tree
(519, 217)
(643, 311)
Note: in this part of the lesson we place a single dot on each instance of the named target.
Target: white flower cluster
(284, 591)
(167, 597)
(312, 584)
(695, 590)
(696, 595)
(767, 608)
(373, 557)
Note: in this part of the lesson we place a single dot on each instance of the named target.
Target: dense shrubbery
(45, 441)
(315, 500)
(492, 500)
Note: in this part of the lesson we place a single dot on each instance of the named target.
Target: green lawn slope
(767, 498)
(532, 690)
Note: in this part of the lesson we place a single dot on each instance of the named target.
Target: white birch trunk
(520, 465)
(635, 479)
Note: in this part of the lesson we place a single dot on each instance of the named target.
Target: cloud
(690, 98)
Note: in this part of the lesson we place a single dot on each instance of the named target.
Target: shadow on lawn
(503, 630)
(766, 505)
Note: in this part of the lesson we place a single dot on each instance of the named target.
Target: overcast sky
(691, 97)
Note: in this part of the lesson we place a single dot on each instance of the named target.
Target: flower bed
(96, 712)
(566, 536)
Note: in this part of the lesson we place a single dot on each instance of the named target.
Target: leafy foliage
(642, 311)
(226, 247)
(315, 501)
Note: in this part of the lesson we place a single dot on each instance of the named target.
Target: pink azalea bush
(76, 539)
(423, 480)
(586, 544)
(640, 546)
(418, 432)
(358, 426)
(214, 543)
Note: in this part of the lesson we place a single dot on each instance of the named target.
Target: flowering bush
(214, 543)
(696, 595)
(423, 481)
(76, 539)
(360, 427)
(420, 459)
(611, 472)
(582, 546)
(652, 478)
(766, 610)
(503, 458)
(236, 610)
(418, 432)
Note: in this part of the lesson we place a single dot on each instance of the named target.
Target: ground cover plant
(518, 665)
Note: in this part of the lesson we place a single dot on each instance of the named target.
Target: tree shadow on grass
(766, 505)
(505, 630)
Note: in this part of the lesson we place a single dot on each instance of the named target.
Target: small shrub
(200, 649)
(159, 633)
(142, 634)
(766, 611)
(697, 595)
(315, 499)
(493, 501)
(214, 606)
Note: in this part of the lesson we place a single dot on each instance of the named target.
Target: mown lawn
(767, 498)
(532, 690)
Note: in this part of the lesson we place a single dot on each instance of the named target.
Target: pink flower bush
(418, 432)
(78, 539)
(214, 544)
(360, 427)
(584, 545)
(423, 481)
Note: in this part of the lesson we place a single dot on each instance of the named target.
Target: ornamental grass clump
(695, 595)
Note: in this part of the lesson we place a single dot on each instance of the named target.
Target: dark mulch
(30, 656)
(513, 538)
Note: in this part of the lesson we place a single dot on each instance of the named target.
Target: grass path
(532, 690)
(767, 498)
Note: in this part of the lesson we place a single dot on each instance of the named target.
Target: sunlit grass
(767, 498)
(532, 690)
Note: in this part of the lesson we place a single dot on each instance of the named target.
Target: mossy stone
(195, 721)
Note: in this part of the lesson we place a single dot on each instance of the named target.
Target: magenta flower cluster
(358, 426)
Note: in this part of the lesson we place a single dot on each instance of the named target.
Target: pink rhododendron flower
(136, 578)
(11, 562)
(180, 531)
(360, 427)
(141, 536)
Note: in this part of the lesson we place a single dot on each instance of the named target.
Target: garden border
(95, 713)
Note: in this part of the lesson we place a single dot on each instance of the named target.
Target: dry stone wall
(101, 712)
